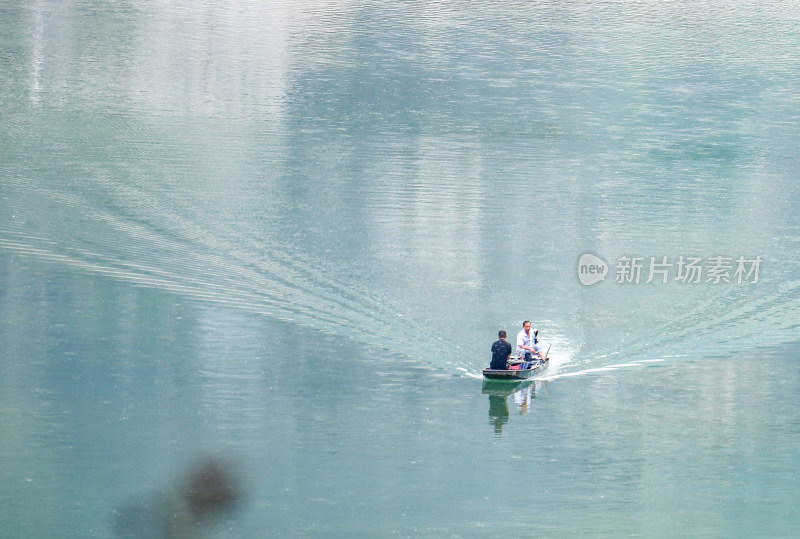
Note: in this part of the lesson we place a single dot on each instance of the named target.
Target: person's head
(526, 325)
(502, 334)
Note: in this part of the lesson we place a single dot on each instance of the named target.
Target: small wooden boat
(516, 372)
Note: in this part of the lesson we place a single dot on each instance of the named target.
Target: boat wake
(162, 249)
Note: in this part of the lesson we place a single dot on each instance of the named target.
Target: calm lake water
(283, 236)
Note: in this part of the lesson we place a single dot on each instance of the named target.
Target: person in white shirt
(526, 343)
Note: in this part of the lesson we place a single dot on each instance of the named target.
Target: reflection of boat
(503, 388)
(499, 391)
(516, 374)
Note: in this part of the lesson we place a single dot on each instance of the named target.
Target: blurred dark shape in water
(186, 508)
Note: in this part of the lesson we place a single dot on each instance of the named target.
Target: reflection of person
(523, 399)
(526, 342)
(501, 351)
(498, 412)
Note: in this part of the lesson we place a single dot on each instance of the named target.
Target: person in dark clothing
(501, 351)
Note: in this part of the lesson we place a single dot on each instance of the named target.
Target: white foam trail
(549, 376)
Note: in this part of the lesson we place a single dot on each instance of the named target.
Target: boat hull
(513, 374)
